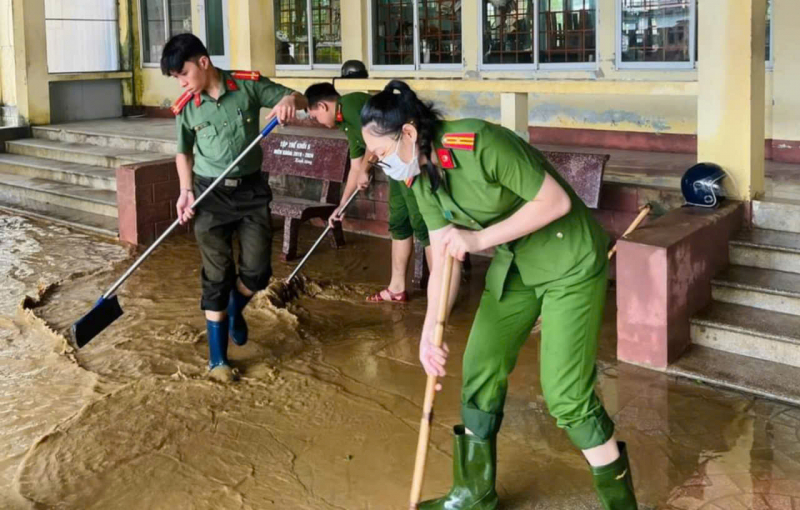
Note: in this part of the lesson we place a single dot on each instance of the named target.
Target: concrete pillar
(354, 31)
(514, 113)
(471, 26)
(605, 37)
(252, 33)
(8, 88)
(30, 61)
(730, 102)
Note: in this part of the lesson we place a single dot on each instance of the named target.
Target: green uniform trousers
(571, 320)
(405, 219)
(243, 209)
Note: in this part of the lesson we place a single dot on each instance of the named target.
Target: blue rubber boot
(237, 326)
(219, 368)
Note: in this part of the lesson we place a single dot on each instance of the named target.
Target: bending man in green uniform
(482, 186)
(331, 109)
(217, 118)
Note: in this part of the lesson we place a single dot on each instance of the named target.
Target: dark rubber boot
(237, 326)
(614, 483)
(474, 471)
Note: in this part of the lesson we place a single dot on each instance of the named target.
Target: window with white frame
(161, 19)
(663, 33)
(435, 44)
(539, 33)
(295, 28)
(656, 33)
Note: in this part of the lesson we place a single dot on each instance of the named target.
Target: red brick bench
(317, 154)
(584, 172)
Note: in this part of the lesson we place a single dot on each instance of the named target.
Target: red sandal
(397, 297)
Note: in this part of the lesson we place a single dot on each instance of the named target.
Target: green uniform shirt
(350, 106)
(217, 131)
(490, 183)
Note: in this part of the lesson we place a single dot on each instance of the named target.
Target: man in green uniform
(333, 110)
(217, 118)
(484, 187)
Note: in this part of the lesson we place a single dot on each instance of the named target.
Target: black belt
(229, 182)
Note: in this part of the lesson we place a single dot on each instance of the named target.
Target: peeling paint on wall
(546, 113)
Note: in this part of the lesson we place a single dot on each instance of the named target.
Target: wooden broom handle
(430, 389)
(642, 214)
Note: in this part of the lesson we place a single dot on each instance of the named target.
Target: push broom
(430, 390)
(283, 289)
(107, 309)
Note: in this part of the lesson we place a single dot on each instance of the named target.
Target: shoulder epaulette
(183, 100)
(461, 141)
(246, 75)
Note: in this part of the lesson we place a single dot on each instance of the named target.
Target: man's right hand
(184, 206)
(338, 215)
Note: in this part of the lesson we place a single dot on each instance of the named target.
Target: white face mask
(398, 169)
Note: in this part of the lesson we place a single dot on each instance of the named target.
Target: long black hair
(397, 105)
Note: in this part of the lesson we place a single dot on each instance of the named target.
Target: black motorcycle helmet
(701, 185)
(354, 69)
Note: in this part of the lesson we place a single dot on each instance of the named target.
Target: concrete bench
(314, 154)
(584, 172)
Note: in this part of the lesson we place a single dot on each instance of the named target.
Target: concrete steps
(24, 192)
(67, 173)
(777, 214)
(748, 338)
(98, 224)
(766, 379)
(95, 137)
(765, 289)
(72, 173)
(749, 331)
(766, 249)
(81, 153)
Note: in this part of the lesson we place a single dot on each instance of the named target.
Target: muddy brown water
(327, 412)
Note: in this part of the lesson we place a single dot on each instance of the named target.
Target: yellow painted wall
(605, 98)
(785, 119)
(8, 88)
(24, 78)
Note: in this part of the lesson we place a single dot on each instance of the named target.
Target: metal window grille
(393, 32)
(657, 31)
(326, 25)
(508, 32)
(291, 43)
(567, 31)
(440, 35)
(308, 33)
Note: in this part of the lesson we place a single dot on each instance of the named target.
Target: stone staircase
(748, 338)
(69, 176)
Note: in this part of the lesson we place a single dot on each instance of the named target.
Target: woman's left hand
(458, 242)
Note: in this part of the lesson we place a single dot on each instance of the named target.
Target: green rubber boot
(474, 470)
(614, 483)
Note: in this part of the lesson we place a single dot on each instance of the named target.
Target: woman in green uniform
(479, 186)
(330, 109)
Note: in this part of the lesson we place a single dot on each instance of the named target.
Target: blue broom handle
(272, 124)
